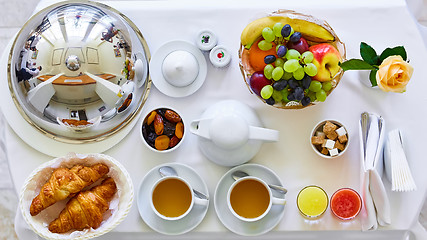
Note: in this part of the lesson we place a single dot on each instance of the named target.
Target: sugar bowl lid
(78, 71)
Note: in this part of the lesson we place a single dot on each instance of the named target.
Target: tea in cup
(250, 199)
(172, 198)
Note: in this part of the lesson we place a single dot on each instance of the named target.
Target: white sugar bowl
(230, 133)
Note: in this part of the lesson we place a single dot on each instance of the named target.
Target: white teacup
(250, 199)
(172, 198)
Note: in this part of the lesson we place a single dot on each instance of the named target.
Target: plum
(301, 45)
(258, 81)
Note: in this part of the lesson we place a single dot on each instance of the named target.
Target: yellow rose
(394, 74)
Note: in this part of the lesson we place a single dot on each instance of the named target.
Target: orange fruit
(256, 56)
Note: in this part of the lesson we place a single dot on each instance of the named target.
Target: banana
(309, 30)
(254, 29)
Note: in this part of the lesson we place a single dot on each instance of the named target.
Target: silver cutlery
(240, 174)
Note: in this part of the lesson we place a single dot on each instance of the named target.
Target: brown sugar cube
(320, 134)
(339, 145)
(329, 127)
(332, 135)
(342, 139)
(317, 140)
(324, 151)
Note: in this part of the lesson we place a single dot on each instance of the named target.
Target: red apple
(301, 46)
(326, 59)
(258, 81)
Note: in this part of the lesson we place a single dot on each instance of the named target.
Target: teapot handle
(265, 134)
(195, 129)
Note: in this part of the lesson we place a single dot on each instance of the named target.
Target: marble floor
(13, 16)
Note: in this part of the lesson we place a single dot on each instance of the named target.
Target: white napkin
(376, 203)
(396, 164)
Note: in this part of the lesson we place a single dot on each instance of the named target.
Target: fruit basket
(290, 60)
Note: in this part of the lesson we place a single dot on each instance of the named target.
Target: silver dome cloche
(78, 71)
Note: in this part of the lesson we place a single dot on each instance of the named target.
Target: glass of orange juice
(312, 201)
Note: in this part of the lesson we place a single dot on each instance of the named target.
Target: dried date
(174, 141)
(158, 124)
(172, 116)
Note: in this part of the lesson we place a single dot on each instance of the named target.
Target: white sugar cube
(333, 152)
(341, 131)
(329, 144)
(319, 134)
(324, 143)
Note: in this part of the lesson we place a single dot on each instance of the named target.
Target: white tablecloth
(380, 23)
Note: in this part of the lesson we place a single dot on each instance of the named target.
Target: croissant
(86, 209)
(66, 182)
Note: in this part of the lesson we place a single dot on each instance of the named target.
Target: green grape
(268, 70)
(287, 75)
(266, 91)
(291, 65)
(277, 29)
(312, 96)
(299, 73)
(277, 96)
(264, 45)
(327, 86)
(310, 69)
(285, 94)
(279, 62)
(307, 57)
(321, 95)
(268, 35)
(277, 73)
(292, 54)
(315, 86)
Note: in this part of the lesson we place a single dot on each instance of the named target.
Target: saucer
(156, 69)
(236, 225)
(159, 224)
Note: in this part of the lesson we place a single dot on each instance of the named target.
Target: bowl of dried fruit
(290, 60)
(329, 139)
(162, 129)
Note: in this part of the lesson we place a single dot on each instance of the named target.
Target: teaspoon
(169, 171)
(239, 174)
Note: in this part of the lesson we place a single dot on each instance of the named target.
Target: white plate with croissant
(76, 197)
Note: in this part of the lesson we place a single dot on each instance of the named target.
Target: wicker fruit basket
(309, 26)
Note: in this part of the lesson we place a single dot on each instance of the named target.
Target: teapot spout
(202, 132)
(263, 134)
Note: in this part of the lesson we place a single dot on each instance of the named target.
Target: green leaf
(368, 54)
(356, 64)
(373, 78)
(399, 50)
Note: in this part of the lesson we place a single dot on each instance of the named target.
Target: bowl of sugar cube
(329, 139)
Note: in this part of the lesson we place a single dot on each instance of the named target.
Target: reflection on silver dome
(75, 63)
(72, 62)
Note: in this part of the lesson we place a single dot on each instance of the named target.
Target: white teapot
(231, 133)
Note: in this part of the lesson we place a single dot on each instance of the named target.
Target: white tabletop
(380, 23)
